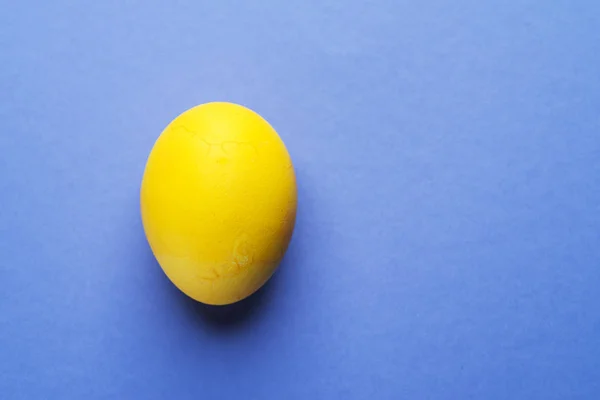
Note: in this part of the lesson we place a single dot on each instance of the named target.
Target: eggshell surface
(218, 202)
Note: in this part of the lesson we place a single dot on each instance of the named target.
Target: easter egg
(218, 202)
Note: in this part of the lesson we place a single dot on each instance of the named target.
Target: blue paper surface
(448, 163)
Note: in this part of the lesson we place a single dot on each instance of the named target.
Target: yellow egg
(218, 202)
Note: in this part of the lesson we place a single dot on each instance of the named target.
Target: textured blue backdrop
(448, 160)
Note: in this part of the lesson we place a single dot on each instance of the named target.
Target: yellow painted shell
(218, 202)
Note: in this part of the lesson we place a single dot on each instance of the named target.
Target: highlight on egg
(218, 202)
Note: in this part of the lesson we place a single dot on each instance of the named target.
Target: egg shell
(218, 202)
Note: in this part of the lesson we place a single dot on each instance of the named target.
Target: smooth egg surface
(218, 202)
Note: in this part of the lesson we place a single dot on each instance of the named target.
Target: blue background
(448, 161)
